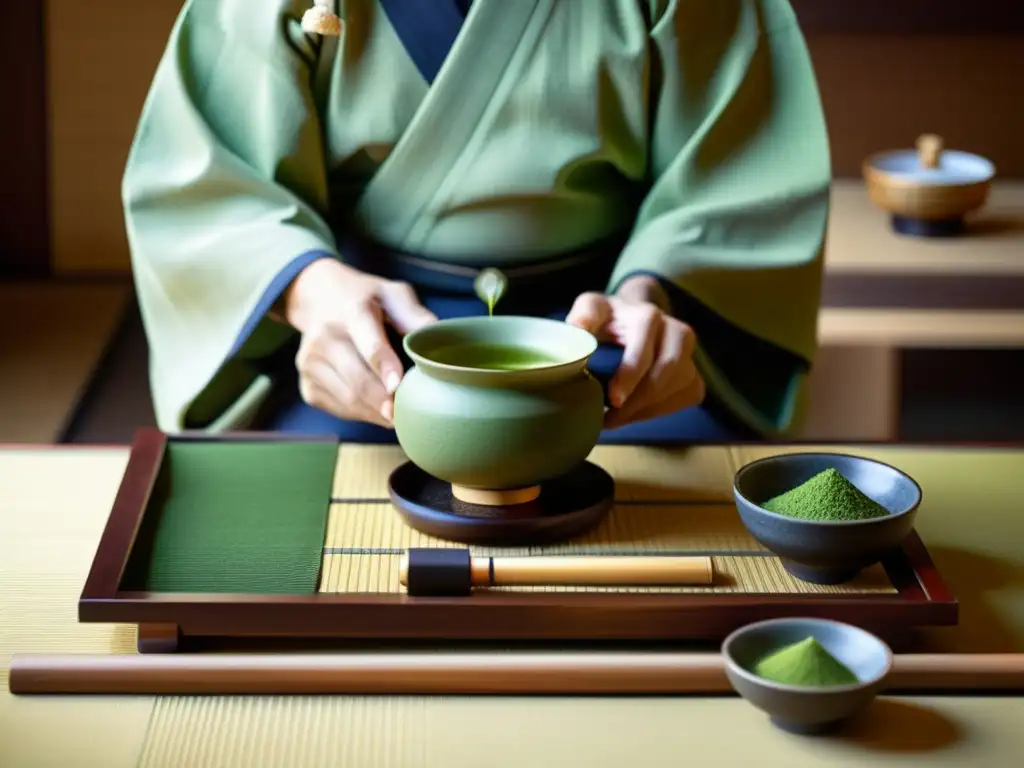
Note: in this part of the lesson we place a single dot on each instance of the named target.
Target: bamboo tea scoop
(440, 674)
(446, 572)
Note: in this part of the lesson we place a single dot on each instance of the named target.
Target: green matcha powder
(806, 663)
(827, 496)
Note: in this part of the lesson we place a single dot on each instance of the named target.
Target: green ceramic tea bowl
(805, 709)
(498, 403)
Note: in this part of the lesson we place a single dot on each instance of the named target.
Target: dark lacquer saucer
(568, 506)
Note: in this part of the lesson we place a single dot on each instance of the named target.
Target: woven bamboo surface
(641, 474)
(666, 501)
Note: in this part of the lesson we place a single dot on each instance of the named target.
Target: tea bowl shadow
(818, 551)
(894, 726)
(977, 579)
(994, 225)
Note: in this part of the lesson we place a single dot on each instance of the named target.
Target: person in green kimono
(307, 184)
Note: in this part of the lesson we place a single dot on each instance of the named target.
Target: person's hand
(347, 367)
(657, 375)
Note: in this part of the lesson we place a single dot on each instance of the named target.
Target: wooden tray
(358, 596)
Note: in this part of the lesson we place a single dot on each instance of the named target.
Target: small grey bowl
(806, 710)
(818, 551)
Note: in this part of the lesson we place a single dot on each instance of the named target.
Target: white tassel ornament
(321, 19)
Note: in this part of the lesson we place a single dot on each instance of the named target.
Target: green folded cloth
(236, 517)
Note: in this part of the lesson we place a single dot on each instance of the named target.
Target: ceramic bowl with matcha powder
(499, 403)
(809, 675)
(828, 516)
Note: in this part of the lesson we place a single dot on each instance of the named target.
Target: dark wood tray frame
(167, 619)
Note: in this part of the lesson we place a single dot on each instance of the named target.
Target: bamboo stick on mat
(454, 673)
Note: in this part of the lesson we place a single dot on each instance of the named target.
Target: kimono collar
(427, 28)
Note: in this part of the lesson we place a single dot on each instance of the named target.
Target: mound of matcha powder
(826, 496)
(806, 663)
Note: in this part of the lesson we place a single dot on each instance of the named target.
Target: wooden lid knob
(929, 150)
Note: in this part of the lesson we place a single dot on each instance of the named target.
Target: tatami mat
(52, 511)
(46, 550)
(55, 336)
(564, 732)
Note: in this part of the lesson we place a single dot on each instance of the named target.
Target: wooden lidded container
(929, 191)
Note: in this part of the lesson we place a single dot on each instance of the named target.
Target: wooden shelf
(861, 240)
(921, 329)
(870, 267)
(887, 290)
(910, 17)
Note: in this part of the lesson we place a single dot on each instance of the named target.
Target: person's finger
(673, 365)
(362, 385)
(323, 399)
(642, 331)
(403, 309)
(341, 375)
(323, 386)
(691, 396)
(325, 361)
(318, 388)
(368, 334)
(670, 372)
(591, 312)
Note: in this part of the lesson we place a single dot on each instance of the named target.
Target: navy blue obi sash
(533, 285)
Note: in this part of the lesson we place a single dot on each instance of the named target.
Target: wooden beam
(24, 204)
(922, 329)
(910, 17)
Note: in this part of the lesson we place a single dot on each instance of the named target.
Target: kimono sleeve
(224, 196)
(735, 220)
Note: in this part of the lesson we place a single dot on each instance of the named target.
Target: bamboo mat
(677, 501)
(641, 473)
(53, 505)
(365, 541)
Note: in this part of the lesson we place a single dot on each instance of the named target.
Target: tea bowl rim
(910, 509)
(736, 668)
(419, 358)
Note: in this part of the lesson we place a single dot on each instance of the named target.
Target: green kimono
(694, 125)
